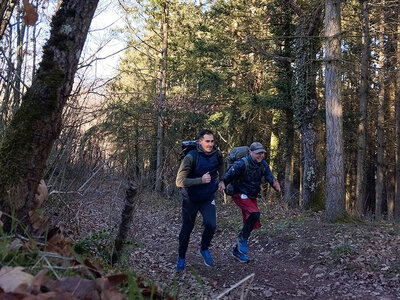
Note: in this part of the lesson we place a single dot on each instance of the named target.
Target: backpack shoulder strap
(195, 154)
(246, 164)
(264, 166)
(220, 157)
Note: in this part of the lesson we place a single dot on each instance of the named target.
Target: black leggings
(249, 225)
(189, 213)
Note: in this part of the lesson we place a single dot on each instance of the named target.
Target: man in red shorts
(246, 175)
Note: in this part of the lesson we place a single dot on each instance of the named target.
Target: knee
(210, 226)
(255, 216)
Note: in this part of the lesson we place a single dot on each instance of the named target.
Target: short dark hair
(204, 132)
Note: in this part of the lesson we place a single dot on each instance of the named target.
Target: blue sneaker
(239, 255)
(180, 265)
(208, 261)
(242, 245)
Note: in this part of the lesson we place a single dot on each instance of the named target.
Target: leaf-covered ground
(294, 255)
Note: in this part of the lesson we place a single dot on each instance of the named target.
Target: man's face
(257, 157)
(207, 142)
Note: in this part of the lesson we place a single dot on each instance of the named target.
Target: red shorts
(247, 206)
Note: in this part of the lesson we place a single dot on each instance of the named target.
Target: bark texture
(305, 96)
(361, 189)
(37, 123)
(335, 192)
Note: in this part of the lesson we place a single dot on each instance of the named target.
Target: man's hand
(206, 178)
(221, 186)
(276, 186)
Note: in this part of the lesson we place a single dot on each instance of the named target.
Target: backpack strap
(195, 155)
(263, 165)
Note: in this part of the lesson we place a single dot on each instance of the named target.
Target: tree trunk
(310, 164)
(20, 59)
(361, 189)
(290, 200)
(37, 123)
(4, 109)
(335, 192)
(162, 97)
(381, 120)
(7, 7)
(305, 98)
(397, 196)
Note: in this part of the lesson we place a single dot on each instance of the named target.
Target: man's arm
(237, 169)
(270, 178)
(182, 179)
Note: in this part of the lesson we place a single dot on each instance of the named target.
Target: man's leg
(249, 225)
(208, 213)
(251, 219)
(189, 212)
(209, 221)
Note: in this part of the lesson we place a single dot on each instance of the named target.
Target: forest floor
(294, 255)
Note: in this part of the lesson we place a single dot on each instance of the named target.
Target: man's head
(257, 151)
(206, 140)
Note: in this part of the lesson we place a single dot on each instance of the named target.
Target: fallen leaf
(11, 278)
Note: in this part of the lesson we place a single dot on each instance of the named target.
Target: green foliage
(11, 254)
(342, 250)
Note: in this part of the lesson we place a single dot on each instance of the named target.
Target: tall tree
(361, 187)
(36, 124)
(162, 94)
(381, 117)
(397, 195)
(335, 193)
(305, 94)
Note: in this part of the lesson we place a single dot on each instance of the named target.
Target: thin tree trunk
(4, 110)
(7, 8)
(162, 97)
(20, 59)
(289, 164)
(335, 192)
(361, 189)
(37, 123)
(381, 120)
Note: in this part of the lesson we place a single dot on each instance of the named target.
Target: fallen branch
(235, 286)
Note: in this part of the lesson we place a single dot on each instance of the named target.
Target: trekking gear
(180, 265)
(242, 245)
(186, 147)
(208, 261)
(234, 155)
(239, 255)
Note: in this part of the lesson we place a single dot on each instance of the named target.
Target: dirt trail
(293, 256)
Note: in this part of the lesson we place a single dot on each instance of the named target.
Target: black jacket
(247, 180)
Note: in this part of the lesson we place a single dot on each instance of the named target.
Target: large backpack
(187, 146)
(235, 154)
